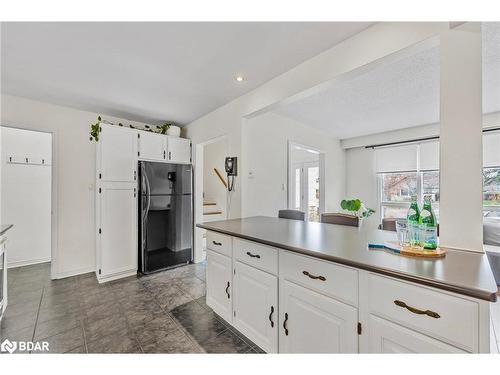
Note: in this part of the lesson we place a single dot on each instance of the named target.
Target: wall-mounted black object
(231, 165)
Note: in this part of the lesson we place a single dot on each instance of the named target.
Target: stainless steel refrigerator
(165, 215)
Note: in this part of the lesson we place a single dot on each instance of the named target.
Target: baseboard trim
(23, 263)
(81, 271)
(116, 276)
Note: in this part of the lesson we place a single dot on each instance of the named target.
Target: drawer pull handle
(253, 255)
(217, 243)
(271, 316)
(227, 290)
(430, 313)
(285, 325)
(322, 278)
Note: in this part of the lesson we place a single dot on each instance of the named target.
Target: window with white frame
(413, 170)
(491, 174)
(404, 172)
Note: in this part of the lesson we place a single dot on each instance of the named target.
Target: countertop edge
(5, 228)
(490, 297)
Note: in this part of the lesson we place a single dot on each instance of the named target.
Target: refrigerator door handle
(148, 194)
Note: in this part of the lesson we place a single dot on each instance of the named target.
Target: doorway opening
(26, 162)
(306, 180)
(213, 201)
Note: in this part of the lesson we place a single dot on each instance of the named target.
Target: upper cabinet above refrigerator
(117, 154)
(178, 150)
(159, 147)
(152, 146)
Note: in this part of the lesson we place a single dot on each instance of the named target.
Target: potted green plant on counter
(356, 208)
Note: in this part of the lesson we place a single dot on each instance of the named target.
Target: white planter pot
(174, 131)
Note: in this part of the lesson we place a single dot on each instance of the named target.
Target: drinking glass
(402, 231)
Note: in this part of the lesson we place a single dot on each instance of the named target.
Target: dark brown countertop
(462, 272)
(4, 228)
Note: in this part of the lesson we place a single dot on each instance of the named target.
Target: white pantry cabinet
(255, 306)
(117, 154)
(152, 146)
(219, 284)
(314, 323)
(117, 231)
(178, 150)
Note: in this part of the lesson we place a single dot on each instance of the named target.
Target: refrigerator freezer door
(166, 179)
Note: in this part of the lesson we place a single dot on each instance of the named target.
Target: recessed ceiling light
(239, 78)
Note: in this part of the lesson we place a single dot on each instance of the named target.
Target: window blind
(429, 156)
(396, 159)
(491, 150)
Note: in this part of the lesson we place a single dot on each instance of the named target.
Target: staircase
(212, 211)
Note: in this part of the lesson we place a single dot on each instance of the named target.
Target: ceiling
(392, 96)
(154, 72)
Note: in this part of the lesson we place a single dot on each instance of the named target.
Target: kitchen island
(293, 286)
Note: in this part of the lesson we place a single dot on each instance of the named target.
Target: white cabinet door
(152, 146)
(255, 306)
(118, 226)
(313, 323)
(219, 284)
(118, 154)
(179, 150)
(388, 337)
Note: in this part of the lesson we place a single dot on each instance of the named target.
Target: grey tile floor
(160, 313)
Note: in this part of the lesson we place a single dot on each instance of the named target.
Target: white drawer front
(327, 278)
(254, 254)
(220, 243)
(416, 307)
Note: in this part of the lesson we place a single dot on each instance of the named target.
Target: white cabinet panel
(313, 323)
(118, 154)
(179, 150)
(220, 243)
(387, 337)
(152, 146)
(334, 280)
(219, 284)
(256, 255)
(424, 310)
(256, 306)
(118, 224)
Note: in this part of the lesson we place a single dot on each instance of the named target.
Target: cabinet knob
(227, 290)
(217, 243)
(271, 316)
(253, 255)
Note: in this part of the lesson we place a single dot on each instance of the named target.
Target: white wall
(73, 175)
(27, 194)
(361, 180)
(369, 45)
(264, 168)
(214, 156)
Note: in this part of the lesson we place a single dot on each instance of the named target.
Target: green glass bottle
(428, 225)
(412, 218)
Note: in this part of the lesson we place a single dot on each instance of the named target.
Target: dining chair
(340, 219)
(291, 214)
(388, 224)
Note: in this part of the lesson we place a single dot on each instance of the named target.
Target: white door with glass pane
(305, 189)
